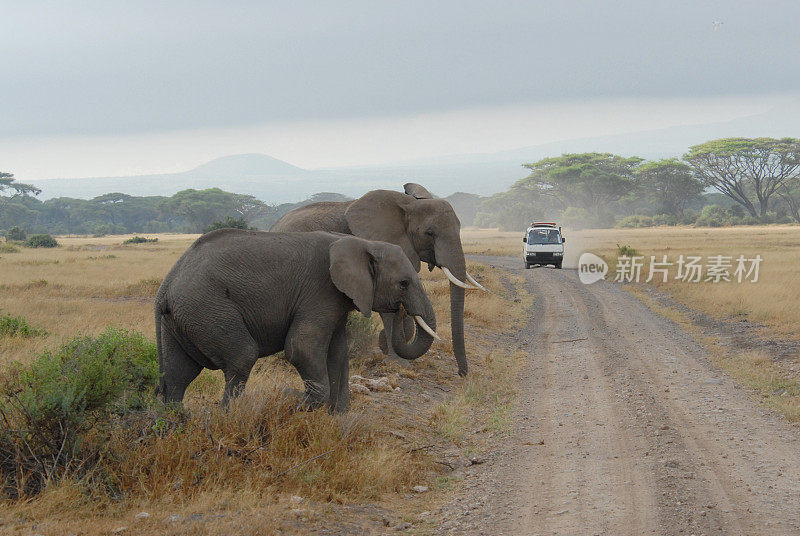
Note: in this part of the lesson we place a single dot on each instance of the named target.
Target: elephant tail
(159, 347)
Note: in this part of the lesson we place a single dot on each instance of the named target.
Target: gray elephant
(425, 227)
(235, 296)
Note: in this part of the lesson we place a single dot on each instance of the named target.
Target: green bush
(140, 240)
(636, 221)
(17, 326)
(665, 219)
(16, 234)
(228, 223)
(8, 248)
(41, 241)
(54, 409)
(713, 216)
(627, 251)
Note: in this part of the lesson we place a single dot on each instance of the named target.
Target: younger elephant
(236, 296)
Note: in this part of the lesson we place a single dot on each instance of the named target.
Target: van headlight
(558, 254)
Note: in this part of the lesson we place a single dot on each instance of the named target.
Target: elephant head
(428, 230)
(379, 277)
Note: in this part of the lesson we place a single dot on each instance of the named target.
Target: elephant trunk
(422, 339)
(453, 259)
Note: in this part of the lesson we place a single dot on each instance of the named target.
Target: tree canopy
(591, 181)
(670, 184)
(748, 170)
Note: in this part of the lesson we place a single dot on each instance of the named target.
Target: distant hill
(275, 181)
(466, 206)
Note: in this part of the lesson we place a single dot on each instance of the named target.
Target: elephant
(427, 229)
(236, 296)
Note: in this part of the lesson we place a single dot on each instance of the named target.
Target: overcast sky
(107, 88)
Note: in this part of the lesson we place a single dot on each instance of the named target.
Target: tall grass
(85, 415)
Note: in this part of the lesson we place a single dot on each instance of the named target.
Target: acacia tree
(7, 182)
(748, 170)
(670, 183)
(202, 207)
(18, 207)
(591, 181)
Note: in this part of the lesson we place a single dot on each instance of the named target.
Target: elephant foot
(394, 358)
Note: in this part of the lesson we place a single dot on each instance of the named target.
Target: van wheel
(558, 266)
(527, 266)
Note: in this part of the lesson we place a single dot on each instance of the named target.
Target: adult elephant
(427, 229)
(236, 296)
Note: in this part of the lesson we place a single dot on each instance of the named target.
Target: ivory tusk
(455, 280)
(426, 327)
(475, 283)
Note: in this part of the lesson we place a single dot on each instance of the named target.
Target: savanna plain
(406, 450)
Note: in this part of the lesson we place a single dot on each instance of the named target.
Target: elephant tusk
(454, 280)
(475, 283)
(426, 327)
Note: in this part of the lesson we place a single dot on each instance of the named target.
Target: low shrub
(665, 219)
(228, 223)
(627, 251)
(636, 221)
(140, 240)
(17, 326)
(56, 412)
(8, 248)
(713, 216)
(41, 241)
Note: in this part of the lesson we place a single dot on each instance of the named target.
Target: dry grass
(83, 286)
(230, 464)
(772, 300)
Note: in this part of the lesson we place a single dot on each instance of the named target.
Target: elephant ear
(381, 215)
(417, 190)
(352, 271)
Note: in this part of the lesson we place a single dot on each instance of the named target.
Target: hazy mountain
(275, 181)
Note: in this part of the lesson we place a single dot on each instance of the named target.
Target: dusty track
(624, 427)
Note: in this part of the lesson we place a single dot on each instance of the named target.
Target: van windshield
(544, 236)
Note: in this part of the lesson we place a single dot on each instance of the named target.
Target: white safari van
(544, 244)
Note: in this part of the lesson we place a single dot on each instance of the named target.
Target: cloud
(95, 68)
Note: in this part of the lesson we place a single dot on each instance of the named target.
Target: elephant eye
(429, 232)
(404, 284)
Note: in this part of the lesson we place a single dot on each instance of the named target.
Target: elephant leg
(228, 345)
(339, 371)
(178, 368)
(306, 349)
(234, 385)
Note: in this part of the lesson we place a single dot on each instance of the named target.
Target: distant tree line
(189, 211)
(721, 182)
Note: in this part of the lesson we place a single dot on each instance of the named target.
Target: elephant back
(322, 216)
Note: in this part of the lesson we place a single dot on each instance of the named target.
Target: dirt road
(624, 427)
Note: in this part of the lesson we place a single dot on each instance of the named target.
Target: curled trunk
(416, 347)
